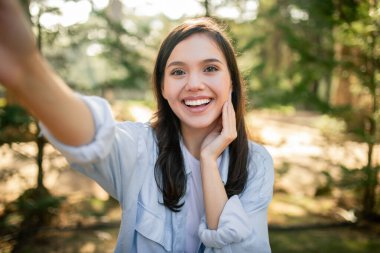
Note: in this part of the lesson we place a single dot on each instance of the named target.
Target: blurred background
(312, 70)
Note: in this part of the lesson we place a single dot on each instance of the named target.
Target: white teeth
(197, 102)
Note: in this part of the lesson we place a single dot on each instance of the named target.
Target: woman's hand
(214, 194)
(29, 77)
(222, 135)
(17, 44)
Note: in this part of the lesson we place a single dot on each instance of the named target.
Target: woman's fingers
(229, 121)
(232, 118)
(225, 117)
(223, 133)
(219, 126)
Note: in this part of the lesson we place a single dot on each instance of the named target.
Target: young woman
(190, 180)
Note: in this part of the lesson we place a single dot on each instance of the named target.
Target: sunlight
(88, 247)
(70, 13)
(74, 12)
(170, 8)
(141, 114)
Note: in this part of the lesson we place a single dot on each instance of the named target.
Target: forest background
(313, 84)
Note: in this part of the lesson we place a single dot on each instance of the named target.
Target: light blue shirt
(121, 159)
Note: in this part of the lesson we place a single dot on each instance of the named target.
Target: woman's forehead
(196, 48)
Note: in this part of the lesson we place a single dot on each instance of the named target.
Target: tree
(358, 31)
(124, 47)
(291, 63)
(35, 206)
(319, 55)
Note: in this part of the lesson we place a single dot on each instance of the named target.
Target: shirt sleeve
(101, 159)
(243, 225)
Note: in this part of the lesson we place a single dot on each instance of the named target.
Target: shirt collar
(223, 162)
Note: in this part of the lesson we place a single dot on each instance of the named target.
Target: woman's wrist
(207, 160)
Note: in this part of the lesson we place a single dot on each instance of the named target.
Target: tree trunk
(327, 94)
(206, 4)
(342, 95)
(369, 198)
(40, 141)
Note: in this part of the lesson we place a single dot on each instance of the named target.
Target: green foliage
(15, 116)
(35, 208)
(327, 240)
(94, 207)
(101, 52)
(361, 59)
(325, 188)
(293, 63)
(283, 169)
(352, 183)
(332, 129)
(121, 49)
(353, 179)
(15, 125)
(305, 53)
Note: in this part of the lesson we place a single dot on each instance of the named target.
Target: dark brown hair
(170, 172)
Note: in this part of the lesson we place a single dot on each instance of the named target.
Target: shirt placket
(179, 223)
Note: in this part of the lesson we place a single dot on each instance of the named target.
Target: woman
(189, 181)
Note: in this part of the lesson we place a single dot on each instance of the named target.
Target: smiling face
(196, 82)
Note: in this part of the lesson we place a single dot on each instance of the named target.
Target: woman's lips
(197, 105)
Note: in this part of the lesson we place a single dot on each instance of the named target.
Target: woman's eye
(211, 69)
(177, 72)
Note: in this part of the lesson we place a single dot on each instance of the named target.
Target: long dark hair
(170, 172)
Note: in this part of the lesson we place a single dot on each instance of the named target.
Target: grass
(329, 240)
(324, 240)
(80, 241)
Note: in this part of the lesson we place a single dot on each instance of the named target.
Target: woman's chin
(198, 125)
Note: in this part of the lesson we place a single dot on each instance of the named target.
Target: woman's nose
(194, 82)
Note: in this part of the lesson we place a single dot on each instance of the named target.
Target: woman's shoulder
(260, 164)
(259, 188)
(258, 152)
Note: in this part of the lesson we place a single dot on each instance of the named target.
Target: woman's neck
(193, 138)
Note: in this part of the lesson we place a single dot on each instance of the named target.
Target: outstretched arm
(28, 76)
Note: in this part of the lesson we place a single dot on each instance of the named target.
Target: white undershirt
(194, 201)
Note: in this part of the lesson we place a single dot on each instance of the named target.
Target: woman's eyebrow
(180, 63)
(212, 60)
(176, 63)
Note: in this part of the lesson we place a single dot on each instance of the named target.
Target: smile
(197, 102)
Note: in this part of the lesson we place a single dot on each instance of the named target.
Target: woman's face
(197, 81)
